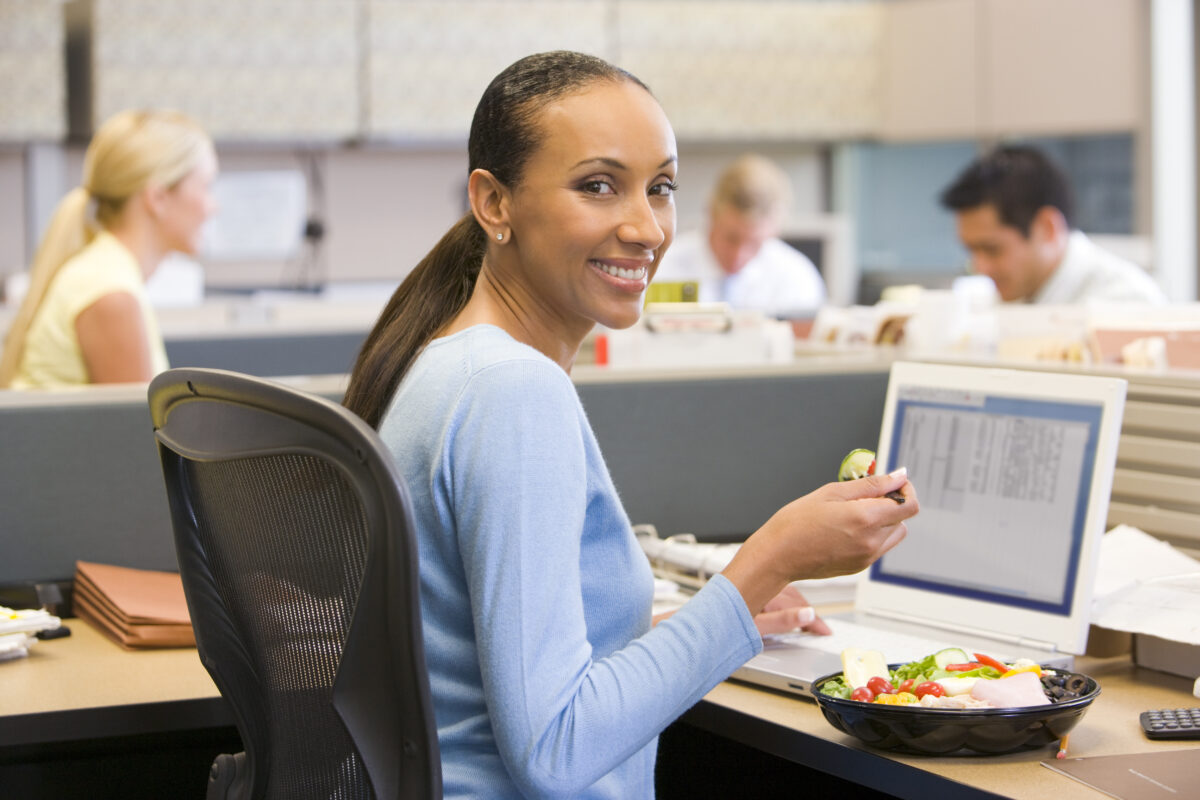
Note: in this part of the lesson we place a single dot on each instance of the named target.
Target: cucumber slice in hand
(858, 464)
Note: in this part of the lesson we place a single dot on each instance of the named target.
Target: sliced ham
(1022, 689)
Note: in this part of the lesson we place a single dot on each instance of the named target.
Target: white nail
(899, 473)
(805, 615)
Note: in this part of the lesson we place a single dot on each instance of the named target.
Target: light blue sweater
(547, 678)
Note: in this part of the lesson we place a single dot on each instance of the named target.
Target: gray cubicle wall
(715, 456)
(80, 480)
(268, 355)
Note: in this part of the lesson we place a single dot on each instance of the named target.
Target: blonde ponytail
(70, 230)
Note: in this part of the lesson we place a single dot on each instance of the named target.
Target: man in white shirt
(1014, 213)
(740, 259)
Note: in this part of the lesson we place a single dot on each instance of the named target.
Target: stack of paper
(137, 607)
(1143, 585)
(19, 628)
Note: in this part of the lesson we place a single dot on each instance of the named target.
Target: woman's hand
(788, 611)
(839, 529)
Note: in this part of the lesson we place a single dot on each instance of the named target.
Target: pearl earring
(499, 237)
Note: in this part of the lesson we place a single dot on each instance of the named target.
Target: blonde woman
(147, 177)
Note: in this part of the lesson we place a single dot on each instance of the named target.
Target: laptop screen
(1004, 483)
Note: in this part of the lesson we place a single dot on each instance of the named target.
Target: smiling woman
(548, 677)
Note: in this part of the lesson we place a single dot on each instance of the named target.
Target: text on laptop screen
(1003, 484)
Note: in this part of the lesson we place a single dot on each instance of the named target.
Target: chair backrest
(297, 553)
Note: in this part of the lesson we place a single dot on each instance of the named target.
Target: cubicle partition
(80, 480)
(711, 453)
(708, 452)
(270, 353)
(716, 453)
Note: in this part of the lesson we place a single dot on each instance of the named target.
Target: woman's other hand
(789, 611)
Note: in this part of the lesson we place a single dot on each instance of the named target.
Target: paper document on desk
(19, 629)
(1169, 775)
(1146, 586)
(137, 607)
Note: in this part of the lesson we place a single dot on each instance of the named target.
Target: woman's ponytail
(69, 231)
(432, 294)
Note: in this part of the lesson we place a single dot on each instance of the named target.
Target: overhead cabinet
(991, 68)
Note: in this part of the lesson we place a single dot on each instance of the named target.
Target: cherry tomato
(929, 687)
(880, 685)
(907, 684)
(862, 694)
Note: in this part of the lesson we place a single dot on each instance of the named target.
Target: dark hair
(504, 134)
(1018, 181)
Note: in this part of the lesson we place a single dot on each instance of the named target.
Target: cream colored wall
(385, 207)
(387, 203)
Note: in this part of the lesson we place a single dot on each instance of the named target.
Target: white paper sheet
(1145, 585)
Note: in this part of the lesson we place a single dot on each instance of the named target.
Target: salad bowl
(944, 731)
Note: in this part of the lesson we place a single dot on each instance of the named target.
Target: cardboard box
(1105, 642)
(1177, 658)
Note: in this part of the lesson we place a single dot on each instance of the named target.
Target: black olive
(1074, 684)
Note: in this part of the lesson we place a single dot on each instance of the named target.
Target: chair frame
(381, 693)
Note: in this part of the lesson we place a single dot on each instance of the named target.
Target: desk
(86, 686)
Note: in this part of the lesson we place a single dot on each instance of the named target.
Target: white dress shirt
(1089, 273)
(779, 281)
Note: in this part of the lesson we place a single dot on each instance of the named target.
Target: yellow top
(52, 357)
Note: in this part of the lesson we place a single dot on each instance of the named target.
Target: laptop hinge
(1022, 642)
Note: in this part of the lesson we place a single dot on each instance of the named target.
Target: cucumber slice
(858, 464)
(951, 655)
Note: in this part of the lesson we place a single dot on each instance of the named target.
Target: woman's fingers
(785, 619)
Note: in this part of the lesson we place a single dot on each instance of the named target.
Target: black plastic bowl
(947, 731)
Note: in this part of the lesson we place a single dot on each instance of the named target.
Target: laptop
(1013, 470)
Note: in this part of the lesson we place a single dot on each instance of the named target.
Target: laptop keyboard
(896, 647)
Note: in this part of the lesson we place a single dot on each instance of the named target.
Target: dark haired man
(1014, 212)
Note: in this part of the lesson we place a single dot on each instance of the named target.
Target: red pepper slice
(991, 662)
(967, 667)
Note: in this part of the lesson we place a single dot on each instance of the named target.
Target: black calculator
(1171, 723)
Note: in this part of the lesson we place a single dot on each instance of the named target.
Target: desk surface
(87, 686)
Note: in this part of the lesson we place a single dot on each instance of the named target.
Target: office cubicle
(80, 480)
(708, 453)
(716, 453)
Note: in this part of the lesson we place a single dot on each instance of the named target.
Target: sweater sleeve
(562, 718)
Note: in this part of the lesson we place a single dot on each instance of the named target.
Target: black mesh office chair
(296, 549)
